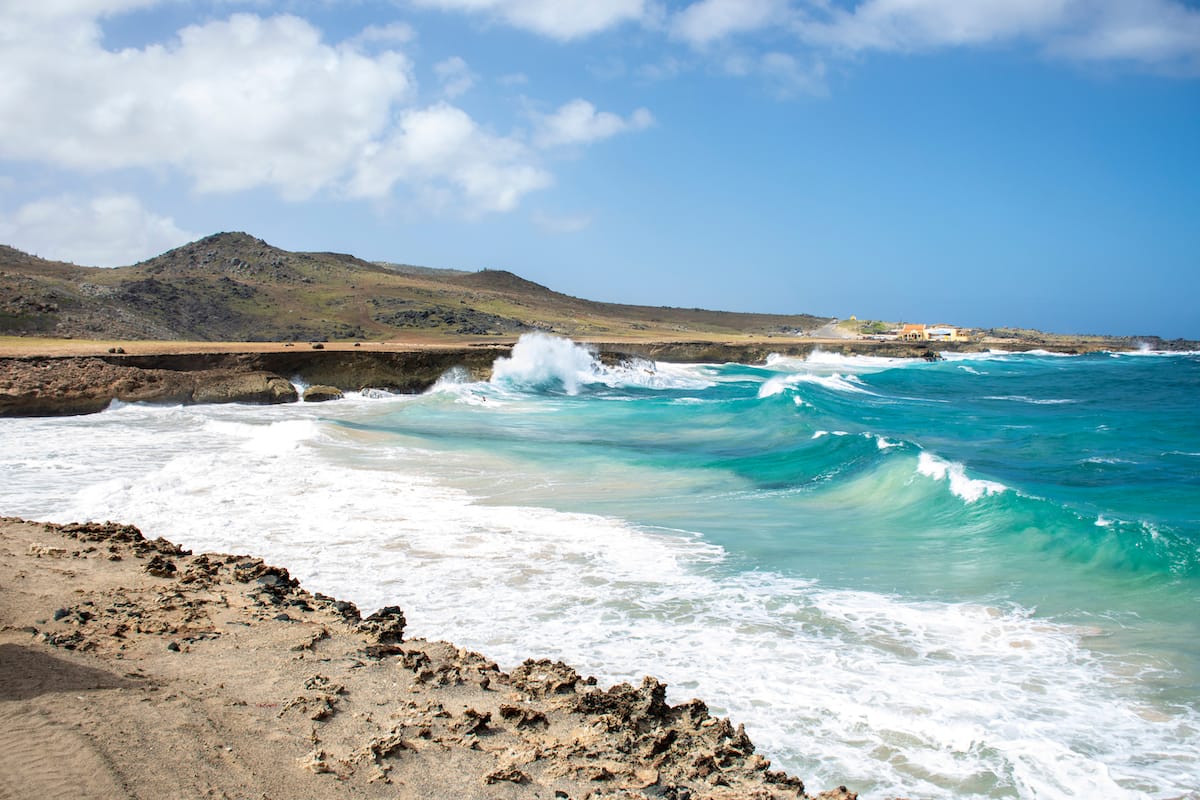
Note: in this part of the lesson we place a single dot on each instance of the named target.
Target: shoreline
(67, 377)
(166, 673)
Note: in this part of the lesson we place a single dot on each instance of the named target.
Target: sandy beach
(130, 668)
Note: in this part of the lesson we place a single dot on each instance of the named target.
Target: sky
(1029, 163)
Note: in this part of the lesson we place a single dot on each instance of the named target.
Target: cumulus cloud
(442, 150)
(558, 19)
(455, 76)
(253, 102)
(108, 231)
(578, 122)
(236, 104)
(710, 20)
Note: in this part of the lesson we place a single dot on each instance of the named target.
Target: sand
(132, 669)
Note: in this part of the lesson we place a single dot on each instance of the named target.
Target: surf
(896, 582)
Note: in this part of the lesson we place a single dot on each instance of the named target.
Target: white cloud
(1162, 33)
(710, 20)
(790, 76)
(917, 24)
(455, 76)
(442, 151)
(394, 33)
(561, 224)
(558, 19)
(248, 103)
(109, 231)
(236, 104)
(578, 122)
(1155, 32)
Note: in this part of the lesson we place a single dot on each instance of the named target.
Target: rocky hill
(234, 287)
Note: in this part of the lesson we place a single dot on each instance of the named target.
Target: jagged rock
(321, 393)
(386, 625)
(524, 717)
(542, 677)
(263, 388)
(473, 722)
(160, 567)
(510, 775)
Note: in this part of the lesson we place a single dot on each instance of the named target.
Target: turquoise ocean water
(972, 578)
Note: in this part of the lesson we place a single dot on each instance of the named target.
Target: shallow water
(972, 578)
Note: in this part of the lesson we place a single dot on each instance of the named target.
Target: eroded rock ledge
(218, 675)
(50, 386)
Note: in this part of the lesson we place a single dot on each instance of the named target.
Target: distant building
(944, 333)
(932, 333)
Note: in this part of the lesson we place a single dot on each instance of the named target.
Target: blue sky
(980, 162)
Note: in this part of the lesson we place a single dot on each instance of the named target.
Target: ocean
(973, 578)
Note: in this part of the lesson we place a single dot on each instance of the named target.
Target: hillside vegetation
(234, 287)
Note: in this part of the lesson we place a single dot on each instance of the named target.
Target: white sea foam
(1145, 350)
(540, 361)
(1050, 353)
(821, 362)
(837, 383)
(1036, 401)
(894, 696)
(985, 355)
(969, 489)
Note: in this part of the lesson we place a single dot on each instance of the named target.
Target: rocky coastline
(49, 385)
(134, 668)
(60, 385)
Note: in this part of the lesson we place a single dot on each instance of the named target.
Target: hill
(234, 287)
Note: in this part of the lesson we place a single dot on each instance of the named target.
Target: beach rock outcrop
(262, 388)
(386, 625)
(63, 385)
(322, 393)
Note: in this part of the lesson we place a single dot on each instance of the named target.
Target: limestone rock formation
(322, 393)
(263, 388)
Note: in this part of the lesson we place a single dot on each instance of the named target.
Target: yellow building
(932, 333)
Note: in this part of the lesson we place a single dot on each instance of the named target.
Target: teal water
(972, 578)
(1041, 479)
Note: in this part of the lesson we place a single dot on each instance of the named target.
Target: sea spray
(543, 362)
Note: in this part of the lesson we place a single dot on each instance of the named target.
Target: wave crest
(969, 489)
